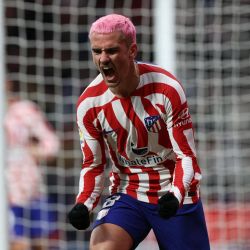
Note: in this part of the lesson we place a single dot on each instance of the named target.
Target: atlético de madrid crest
(153, 123)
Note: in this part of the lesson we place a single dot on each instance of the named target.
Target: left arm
(180, 129)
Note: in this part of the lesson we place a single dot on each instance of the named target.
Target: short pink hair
(112, 23)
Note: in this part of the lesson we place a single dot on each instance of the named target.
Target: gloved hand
(168, 205)
(79, 217)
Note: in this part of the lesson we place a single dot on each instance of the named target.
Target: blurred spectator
(30, 139)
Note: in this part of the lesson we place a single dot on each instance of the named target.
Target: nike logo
(139, 151)
(106, 132)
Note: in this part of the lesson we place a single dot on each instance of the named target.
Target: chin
(112, 84)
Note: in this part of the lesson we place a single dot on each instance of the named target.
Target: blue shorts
(33, 221)
(186, 230)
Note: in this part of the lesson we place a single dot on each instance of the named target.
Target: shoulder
(160, 80)
(154, 70)
(94, 97)
(96, 88)
(151, 73)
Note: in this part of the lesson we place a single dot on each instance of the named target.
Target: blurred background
(207, 46)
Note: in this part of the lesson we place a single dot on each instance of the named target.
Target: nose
(104, 57)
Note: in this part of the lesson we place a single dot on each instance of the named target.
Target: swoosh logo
(139, 151)
(106, 132)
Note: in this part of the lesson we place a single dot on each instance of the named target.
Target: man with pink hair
(139, 112)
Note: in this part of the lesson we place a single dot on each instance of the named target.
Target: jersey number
(111, 201)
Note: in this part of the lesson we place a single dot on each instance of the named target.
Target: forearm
(91, 185)
(183, 175)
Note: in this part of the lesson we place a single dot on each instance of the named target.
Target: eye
(96, 51)
(112, 51)
(109, 51)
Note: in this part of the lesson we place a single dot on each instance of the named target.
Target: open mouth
(108, 71)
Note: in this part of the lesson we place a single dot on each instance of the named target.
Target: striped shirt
(148, 135)
(26, 127)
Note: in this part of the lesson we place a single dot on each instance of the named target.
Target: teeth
(106, 68)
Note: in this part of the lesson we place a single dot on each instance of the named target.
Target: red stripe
(163, 138)
(154, 186)
(116, 182)
(122, 134)
(92, 91)
(88, 156)
(89, 183)
(133, 185)
(142, 139)
(149, 68)
(178, 177)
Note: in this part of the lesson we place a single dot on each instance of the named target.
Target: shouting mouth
(109, 73)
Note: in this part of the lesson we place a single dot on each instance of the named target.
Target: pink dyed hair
(114, 22)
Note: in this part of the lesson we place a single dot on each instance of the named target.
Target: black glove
(79, 216)
(168, 205)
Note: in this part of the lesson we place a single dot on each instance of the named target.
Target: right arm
(91, 183)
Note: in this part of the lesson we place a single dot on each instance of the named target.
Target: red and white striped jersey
(149, 137)
(26, 124)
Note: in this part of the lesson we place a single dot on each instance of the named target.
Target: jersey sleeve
(180, 129)
(36, 130)
(42, 133)
(91, 183)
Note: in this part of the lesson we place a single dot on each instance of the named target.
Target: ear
(133, 51)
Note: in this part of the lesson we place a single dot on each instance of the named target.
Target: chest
(136, 123)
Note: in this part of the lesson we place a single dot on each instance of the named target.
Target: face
(113, 57)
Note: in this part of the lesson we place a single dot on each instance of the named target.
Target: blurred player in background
(140, 112)
(30, 139)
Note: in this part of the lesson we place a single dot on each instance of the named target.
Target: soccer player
(139, 112)
(30, 139)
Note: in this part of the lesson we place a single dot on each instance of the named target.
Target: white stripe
(97, 80)
(156, 99)
(87, 104)
(108, 127)
(143, 181)
(175, 145)
(94, 101)
(124, 122)
(190, 139)
(96, 191)
(119, 113)
(124, 182)
(188, 171)
(148, 78)
(177, 193)
(164, 181)
(139, 108)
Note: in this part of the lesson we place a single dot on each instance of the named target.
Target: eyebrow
(107, 50)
